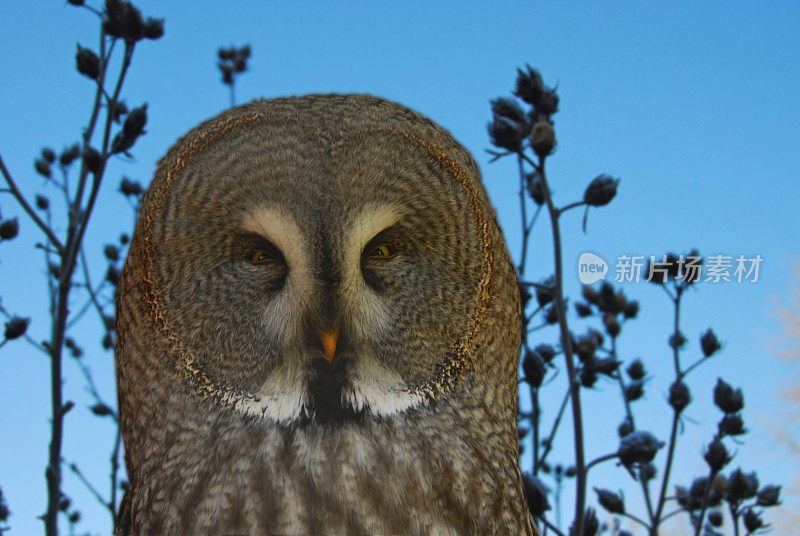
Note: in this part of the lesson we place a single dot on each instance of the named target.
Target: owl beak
(329, 338)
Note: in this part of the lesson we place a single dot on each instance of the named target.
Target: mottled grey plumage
(235, 417)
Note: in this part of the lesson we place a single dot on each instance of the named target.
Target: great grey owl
(318, 331)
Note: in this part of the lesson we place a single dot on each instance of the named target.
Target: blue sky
(692, 105)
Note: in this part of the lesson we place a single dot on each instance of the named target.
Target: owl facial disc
(347, 229)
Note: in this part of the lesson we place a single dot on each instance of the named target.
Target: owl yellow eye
(383, 251)
(257, 250)
(260, 256)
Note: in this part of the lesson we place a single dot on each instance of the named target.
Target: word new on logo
(591, 268)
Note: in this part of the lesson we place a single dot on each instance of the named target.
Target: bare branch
(88, 485)
(27, 207)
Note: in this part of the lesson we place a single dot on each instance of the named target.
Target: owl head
(323, 259)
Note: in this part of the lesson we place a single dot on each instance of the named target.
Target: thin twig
(88, 484)
(534, 392)
(632, 421)
(80, 313)
(74, 212)
(26, 337)
(634, 518)
(93, 10)
(566, 345)
(536, 285)
(36, 345)
(524, 219)
(92, 388)
(559, 478)
(673, 437)
(27, 207)
(126, 62)
(554, 429)
(551, 526)
(711, 475)
(628, 410)
(114, 476)
(92, 294)
(528, 318)
(576, 204)
(534, 217)
(671, 514)
(601, 459)
(677, 333)
(667, 469)
(646, 491)
(535, 415)
(735, 517)
(693, 366)
(671, 297)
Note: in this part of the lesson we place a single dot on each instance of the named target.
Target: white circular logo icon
(591, 268)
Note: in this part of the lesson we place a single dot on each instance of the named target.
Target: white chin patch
(371, 388)
(281, 399)
(379, 391)
(380, 402)
(282, 408)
